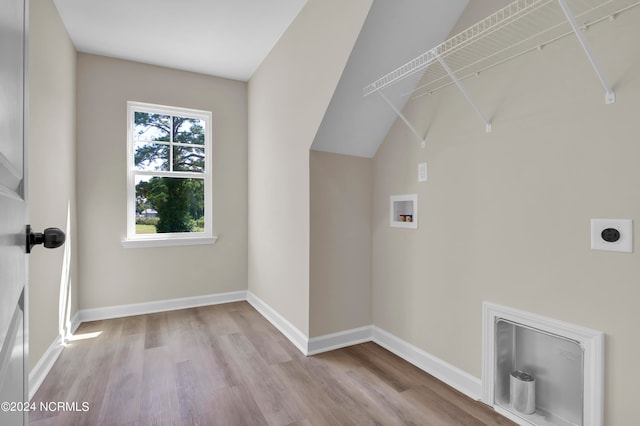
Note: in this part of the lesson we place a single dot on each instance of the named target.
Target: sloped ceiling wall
(394, 33)
(288, 96)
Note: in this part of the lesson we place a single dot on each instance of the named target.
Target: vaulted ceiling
(230, 38)
(394, 33)
(225, 38)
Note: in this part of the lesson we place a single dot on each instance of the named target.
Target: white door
(13, 209)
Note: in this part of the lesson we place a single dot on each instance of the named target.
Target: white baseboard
(75, 322)
(290, 331)
(314, 345)
(44, 365)
(447, 373)
(441, 370)
(341, 339)
(453, 376)
(46, 361)
(120, 311)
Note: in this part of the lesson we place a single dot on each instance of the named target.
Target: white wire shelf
(520, 27)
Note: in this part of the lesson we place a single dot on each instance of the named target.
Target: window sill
(168, 242)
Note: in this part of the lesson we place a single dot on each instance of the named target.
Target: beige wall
(340, 254)
(52, 187)
(504, 217)
(288, 96)
(475, 12)
(110, 274)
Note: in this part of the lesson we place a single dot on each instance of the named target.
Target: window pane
(169, 205)
(188, 159)
(188, 130)
(151, 156)
(152, 127)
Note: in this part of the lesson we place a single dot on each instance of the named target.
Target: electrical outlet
(612, 235)
(422, 172)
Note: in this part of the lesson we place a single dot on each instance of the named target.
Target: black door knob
(50, 238)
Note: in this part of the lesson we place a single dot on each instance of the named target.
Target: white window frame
(134, 240)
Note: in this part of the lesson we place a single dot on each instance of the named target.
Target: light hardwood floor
(227, 365)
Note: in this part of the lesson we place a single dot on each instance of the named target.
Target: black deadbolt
(50, 238)
(610, 235)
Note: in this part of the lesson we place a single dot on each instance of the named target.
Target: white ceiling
(230, 38)
(225, 38)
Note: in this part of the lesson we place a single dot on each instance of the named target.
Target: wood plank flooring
(227, 365)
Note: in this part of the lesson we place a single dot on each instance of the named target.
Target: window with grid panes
(169, 176)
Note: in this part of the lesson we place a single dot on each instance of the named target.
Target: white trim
(441, 370)
(75, 322)
(592, 342)
(45, 363)
(167, 242)
(447, 373)
(341, 339)
(295, 336)
(40, 371)
(120, 311)
(169, 239)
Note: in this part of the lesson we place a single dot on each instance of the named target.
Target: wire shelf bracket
(610, 96)
(520, 27)
(466, 94)
(423, 142)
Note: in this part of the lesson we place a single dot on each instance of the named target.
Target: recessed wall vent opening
(540, 371)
